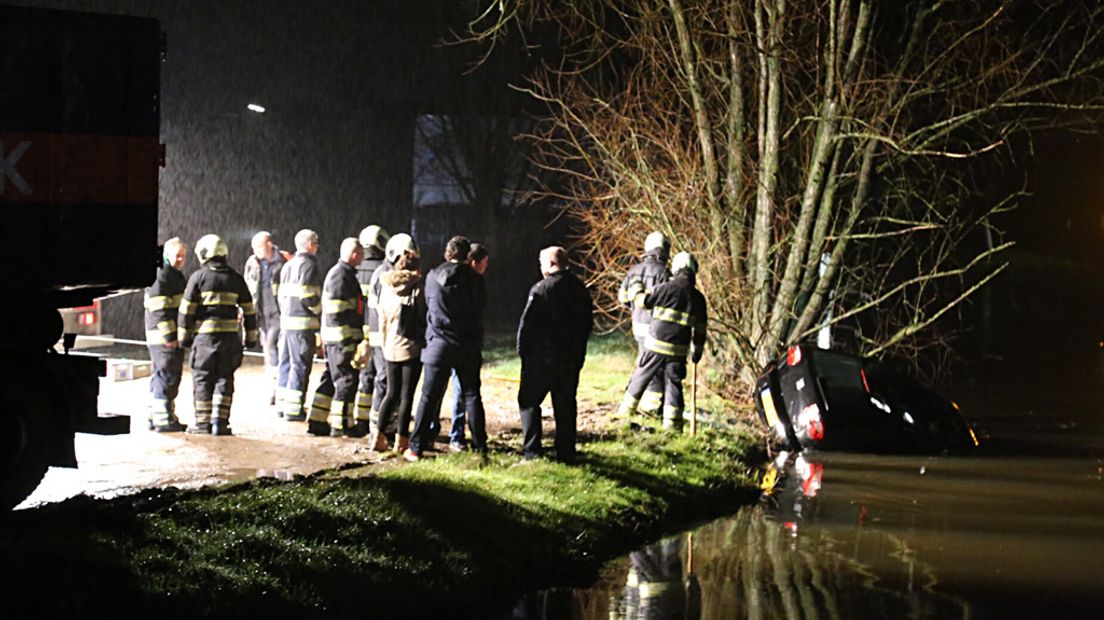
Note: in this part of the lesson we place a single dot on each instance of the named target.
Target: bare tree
(824, 158)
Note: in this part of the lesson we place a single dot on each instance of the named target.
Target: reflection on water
(855, 536)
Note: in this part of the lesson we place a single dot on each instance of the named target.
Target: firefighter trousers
(672, 370)
(168, 366)
(333, 399)
(372, 390)
(652, 400)
(215, 357)
(296, 358)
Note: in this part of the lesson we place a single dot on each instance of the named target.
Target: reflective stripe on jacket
(162, 304)
(642, 279)
(300, 293)
(342, 307)
(211, 303)
(678, 317)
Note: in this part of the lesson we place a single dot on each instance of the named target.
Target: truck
(80, 159)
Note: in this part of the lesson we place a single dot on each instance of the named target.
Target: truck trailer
(80, 157)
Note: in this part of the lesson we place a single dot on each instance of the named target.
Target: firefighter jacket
(342, 308)
(556, 322)
(402, 313)
(369, 289)
(264, 300)
(300, 294)
(211, 302)
(454, 316)
(678, 318)
(642, 279)
(162, 303)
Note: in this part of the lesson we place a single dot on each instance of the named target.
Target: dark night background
(344, 83)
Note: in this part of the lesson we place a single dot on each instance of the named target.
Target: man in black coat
(552, 341)
(454, 325)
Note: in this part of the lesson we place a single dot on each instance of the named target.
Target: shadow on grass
(462, 540)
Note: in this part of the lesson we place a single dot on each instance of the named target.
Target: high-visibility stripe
(188, 307)
(314, 309)
(650, 402)
(248, 309)
(334, 306)
(666, 348)
(300, 323)
(340, 333)
(218, 298)
(161, 302)
(628, 405)
(252, 335)
(162, 334)
(670, 412)
(217, 326)
(365, 289)
(337, 414)
(640, 330)
(301, 291)
(671, 315)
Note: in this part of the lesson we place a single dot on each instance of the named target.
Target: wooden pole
(694, 402)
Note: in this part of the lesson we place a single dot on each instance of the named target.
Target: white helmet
(399, 244)
(210, 246)
(373, 237)
(684, 260)
(656, 240)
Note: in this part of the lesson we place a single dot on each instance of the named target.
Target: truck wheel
(25, 434)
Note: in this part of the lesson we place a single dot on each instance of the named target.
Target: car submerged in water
(827, 400)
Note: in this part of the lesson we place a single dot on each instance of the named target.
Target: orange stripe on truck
(58, 168)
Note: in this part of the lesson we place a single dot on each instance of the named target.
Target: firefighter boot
(221, 427)
(202, 418)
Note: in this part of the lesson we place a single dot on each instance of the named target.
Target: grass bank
(454, 535)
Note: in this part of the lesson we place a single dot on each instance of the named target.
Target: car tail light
(810, 419)
(793, 356)
(86, 318)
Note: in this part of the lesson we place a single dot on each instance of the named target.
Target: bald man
(162, 302)
(342, 330)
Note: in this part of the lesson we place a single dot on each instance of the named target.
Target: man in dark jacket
(162, 303)
(342, 332)
(373, 376)
(300, 297)
(262, 276)
(455, 302)
(677, 329)
(209, 321)
(552, 341)
(642, 279)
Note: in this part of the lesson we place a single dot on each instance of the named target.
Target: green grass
(454, 536)
(450, 533)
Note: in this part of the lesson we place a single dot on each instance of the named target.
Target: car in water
(820, 399)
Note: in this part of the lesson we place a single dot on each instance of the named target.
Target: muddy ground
(262, 445)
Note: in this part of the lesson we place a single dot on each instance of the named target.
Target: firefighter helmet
(656, 241)
(210, 246)
(399, 244)
(684, 260)
(374, 237)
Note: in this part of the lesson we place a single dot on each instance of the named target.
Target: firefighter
(209, 324)
(342, 333)
(373, 377)
(396, 247)
(262, 275)
(677, 329)
(552, 342)
(300, 298)
(162, 303)
(641, 279)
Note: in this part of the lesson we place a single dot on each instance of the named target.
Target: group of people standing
(383, 326)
